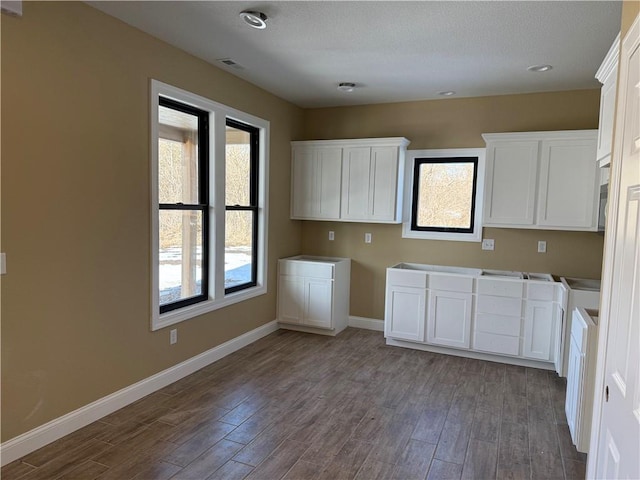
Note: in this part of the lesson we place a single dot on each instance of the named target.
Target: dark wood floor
(301, 406)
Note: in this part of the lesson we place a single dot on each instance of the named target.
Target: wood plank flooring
(301, 406)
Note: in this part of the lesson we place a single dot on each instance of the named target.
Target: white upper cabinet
(368, 184)
(607, 75)
(568, 183)
(316, 174)
(512, 174)
(542, 180)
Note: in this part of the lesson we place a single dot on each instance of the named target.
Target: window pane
(238, 248)
(180, 269)
(177, 157)
(445, 195)
(238, 167)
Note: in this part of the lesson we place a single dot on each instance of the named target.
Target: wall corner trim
(366, 323)
(32, 440)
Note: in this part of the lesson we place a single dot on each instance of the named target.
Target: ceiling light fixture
(254, 19)
(447, 93)
(539, 68)
(346, 87)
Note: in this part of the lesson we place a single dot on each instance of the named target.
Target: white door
(449, 319)
(538, 330)
(318, 302)
(384, 183)
(512, 174)
(406, 313)
(617, 438)
(290, 298)
(356, 173)
(568, 184)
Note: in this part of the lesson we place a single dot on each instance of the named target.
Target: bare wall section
(75, 208)
(451, 123)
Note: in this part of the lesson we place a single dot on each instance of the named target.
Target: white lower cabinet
(518, 318)
(313, 293)
(405, 307)
(449, 319)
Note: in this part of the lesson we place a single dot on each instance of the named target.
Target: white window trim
(217, 298)
(411, 155)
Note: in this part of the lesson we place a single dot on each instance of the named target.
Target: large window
(444, 194)
(209, 166)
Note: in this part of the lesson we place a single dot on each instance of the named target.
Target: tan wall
(630, 10)
(75, 209)
(451, 123)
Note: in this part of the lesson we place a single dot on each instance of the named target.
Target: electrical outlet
(332, 235)
(488, 244)
(173, 336)
(542, 246)
(367, 238)
(3, 263)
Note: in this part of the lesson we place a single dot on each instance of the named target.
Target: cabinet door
(574, 382)
(405, 313)
(356, 175)
(328, 173)
(302, 184)
(316, 182)
(384, 184)
(290, 299)
(318, 302)
(569, 189)
(512, 169)
(538, 330)
(607, 112)
(449, 319)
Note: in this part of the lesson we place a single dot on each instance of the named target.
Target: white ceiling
(394, 51)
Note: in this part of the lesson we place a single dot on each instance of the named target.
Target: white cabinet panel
(291, 298)
(493, 343)
(498, 324)
(405, 313)
(538, 330)
(512, 169)
(452, 283)
(316, 177)
(607, 74)
(499, 305)
(318, 301)
(385, 195)
(574, 381)
(449, 319)
(568, 183)
(356, 173)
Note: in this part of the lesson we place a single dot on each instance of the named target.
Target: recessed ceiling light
(346, 86)
(539, 68)
(254, 19)
(447, 93)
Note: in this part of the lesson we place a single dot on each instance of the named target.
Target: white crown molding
(610, 61)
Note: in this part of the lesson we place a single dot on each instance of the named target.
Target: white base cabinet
(313, 294)
(542, 180)
(513, 317)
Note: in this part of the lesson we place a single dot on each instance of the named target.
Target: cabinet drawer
(306, 269)
(498, 324)
(503, 288)
(451, 283)
(489, 342)
(406, 278)
(499, 305)
(540, 291)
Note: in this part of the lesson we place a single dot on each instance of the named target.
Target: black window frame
(416, 194)
(254, 159)
(203, 198)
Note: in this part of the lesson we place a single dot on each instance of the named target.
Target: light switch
(488, 244)
(3, 263)
(542, 246)
(367, 238)
(332, 235)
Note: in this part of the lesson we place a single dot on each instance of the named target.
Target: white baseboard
(30, 441)
(366, 323)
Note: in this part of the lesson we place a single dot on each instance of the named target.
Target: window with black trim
(209, 205)
(183, 199)
(241, 219)
(444, 193)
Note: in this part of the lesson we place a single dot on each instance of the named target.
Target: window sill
(159, 321)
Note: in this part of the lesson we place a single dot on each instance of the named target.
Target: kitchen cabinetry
(489, 314)
(607, 75)
(316, 174)
(361, 184)
(543, 180)
(313, 293)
